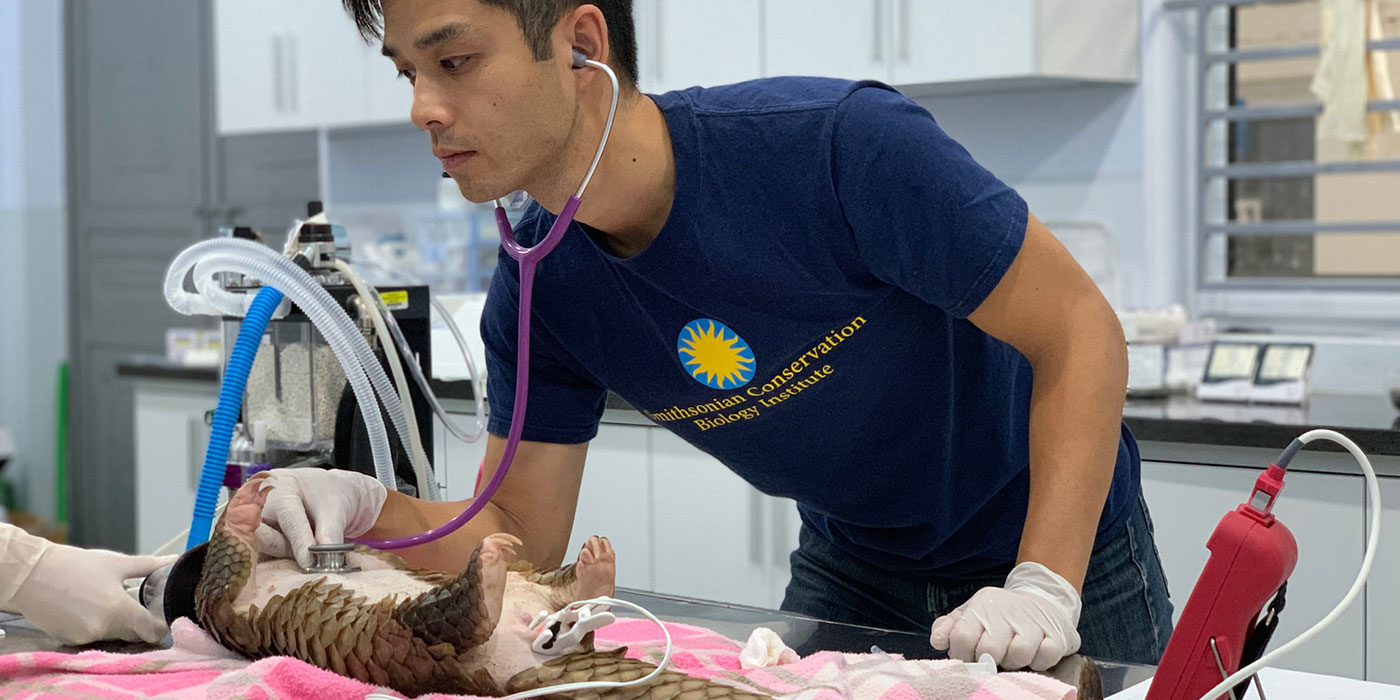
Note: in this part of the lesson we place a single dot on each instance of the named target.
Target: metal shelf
(1301, 228)
(1298, 168)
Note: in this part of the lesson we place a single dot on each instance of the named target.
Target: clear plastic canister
(294, 386)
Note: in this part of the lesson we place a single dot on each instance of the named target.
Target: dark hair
(536, 19)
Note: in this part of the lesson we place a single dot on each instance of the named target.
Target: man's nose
(430, 110)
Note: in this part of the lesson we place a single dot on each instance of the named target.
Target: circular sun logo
(714, 355)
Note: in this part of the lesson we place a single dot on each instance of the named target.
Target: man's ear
(586, 31)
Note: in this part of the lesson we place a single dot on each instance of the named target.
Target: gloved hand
(337, 503)
(76, 595)
(1030, 621)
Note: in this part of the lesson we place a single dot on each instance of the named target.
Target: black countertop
(1370, 420)
(157, 367)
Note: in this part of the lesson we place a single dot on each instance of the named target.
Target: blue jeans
(1126, 614)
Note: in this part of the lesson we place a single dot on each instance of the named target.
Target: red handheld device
(1251, 556)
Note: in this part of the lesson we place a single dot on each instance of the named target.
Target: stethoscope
(528, 259)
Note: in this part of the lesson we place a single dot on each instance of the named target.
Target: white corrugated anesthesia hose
(370, 297)
(249, 258)
(337, 324)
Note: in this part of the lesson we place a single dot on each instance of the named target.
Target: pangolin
(414, 630)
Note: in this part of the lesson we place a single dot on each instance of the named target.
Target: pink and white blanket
(197, 667)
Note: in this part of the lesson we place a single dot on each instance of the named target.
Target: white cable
(1373, 490)
(587, 685)
(474, 376)
(371, 300)
(176, 544)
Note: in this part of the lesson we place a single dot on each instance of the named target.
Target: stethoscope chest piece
(331, 559)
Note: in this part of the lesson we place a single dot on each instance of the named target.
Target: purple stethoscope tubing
(528, 259)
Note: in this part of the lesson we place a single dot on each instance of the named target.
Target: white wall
(33, 250)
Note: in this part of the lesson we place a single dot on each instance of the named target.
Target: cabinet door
(171, 439)
(615, 502)
(248, 64)
(1324, 513)
(793, 47)
(327, 75)
(461, 462)
(710, 533)
(954, 41)
(1383, 593)
(682, 43)
(784, 524)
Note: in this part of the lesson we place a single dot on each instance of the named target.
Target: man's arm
(535, 502)
(1046, 307)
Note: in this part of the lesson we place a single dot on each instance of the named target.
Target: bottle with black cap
(316, 240)
(315, 232)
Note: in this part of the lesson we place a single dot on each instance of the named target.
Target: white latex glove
(335, 502)
(1030, 621)
(76, 595)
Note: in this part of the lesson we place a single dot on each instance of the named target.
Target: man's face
(498, 119)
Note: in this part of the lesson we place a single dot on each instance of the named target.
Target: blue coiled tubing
(240, 364)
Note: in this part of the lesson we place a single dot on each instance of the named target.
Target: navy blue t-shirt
(802, 317)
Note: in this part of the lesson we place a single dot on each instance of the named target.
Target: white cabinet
(615, 501)
(1325, 514)
(939, 46)
(248, 65)
(284, 66)
(942, 47)
(960, 41)
(1383, 593)
(682, 43)
(458, 463)
(171, 439)
(717, 538)
(797, 38)
(328, 76)
(302, 65)
(783, 526)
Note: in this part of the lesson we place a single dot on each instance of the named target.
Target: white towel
(765, 648)
(1340, 80)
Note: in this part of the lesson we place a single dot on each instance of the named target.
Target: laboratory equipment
(1220, 638)
(298, 405)
(315, 250)
(1230, 371)
(297, 410)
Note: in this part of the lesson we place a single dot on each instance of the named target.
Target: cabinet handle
(903, 30)
(292, 71)
(877, 43)
(755, 526)
(195, 446)
(277, 99)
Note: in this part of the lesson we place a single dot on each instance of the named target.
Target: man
(810, 281)
(75, 595)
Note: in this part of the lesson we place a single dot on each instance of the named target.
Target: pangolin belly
(414, 630)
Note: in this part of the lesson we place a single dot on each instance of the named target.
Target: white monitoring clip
(562, 630)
